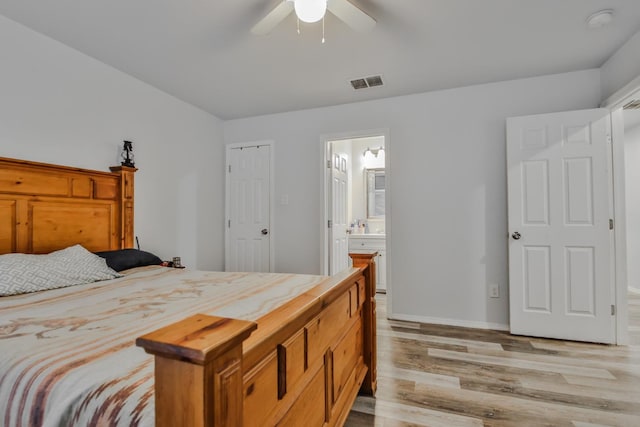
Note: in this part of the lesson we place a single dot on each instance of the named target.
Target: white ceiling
(203, 53)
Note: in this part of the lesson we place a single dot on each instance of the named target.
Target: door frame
(227, 197)
(325, 140)
(614, 104)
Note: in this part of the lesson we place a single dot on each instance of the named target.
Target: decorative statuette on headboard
(127, 154)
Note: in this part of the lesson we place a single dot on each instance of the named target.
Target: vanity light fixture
(374, 151)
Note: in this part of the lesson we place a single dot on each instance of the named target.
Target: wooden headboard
(47, 207)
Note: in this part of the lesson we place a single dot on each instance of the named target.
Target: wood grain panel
(292, 362)
(309, 407)
(81, 187)
(228, 383)
(171, 374)
(261, 391)
(84, 207)
(127, 224)
(7, 226)
(367, 261)
(55, 225)
(128, 186)
(353, 300)
(322, 330)
(345, 355)
(197, 339)
(105, 189)
(361, 292)
(23, 181)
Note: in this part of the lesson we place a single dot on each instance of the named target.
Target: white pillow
(23, 273)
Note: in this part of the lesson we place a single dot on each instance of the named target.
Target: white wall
(446, 158)
(622, 67)
(632, 180)
(58, 105)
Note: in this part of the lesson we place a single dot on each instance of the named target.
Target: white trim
(622, 96)
(325, 139)
(614, 104)
(272, 157)
(450, 322)
(620, 227)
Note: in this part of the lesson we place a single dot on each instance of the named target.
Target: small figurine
(127, 154)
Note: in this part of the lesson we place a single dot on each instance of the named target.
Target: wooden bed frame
(301, 364)
(45, 207)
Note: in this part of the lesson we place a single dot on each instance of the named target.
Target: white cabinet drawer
(356, 243)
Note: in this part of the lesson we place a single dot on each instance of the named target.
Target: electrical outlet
(494, 290)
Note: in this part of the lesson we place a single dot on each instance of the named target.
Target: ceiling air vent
(367, 82)
(633, 105)
(374, 81)
(359, 84)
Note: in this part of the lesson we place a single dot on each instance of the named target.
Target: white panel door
(339, 238)
(560, 244)
(248, 214)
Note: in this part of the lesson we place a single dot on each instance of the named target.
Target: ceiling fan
(313, 11)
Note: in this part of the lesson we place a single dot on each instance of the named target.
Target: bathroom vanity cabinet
(367, 243)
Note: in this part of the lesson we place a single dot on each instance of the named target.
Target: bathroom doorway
(631, 116)
(356, 194)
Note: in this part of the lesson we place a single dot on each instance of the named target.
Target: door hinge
(329, 224)
(328, 164)
(610, 224)
(613, 310)
(229, 168)
(229, 223)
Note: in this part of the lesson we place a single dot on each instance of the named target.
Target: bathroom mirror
(375, 184)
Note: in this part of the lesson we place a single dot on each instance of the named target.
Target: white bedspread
(68, 358)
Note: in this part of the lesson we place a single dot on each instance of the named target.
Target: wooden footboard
(301, 364)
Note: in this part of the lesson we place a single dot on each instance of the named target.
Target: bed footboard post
(368, 263)
(198, 371)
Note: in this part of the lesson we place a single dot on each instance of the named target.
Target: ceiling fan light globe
(310, 10)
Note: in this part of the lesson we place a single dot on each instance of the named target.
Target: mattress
(68, 358)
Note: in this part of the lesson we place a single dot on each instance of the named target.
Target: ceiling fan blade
(273, 18)
(351, 15)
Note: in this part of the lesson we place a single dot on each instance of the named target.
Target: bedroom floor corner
(433, 375)
(634, 318)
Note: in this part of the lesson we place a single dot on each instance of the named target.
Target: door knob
(516, 236)
(264, 231)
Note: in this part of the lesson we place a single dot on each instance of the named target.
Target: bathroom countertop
(368, 236)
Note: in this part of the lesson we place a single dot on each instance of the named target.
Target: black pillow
(124, 259)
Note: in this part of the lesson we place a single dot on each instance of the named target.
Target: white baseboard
(450, 322)
(633, 290)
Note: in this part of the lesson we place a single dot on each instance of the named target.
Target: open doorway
(356, 209)
(631, 116)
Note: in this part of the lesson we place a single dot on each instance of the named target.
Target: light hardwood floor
(431, 375)
(634, 318)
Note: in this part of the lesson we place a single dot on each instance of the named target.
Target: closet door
(248, 209)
